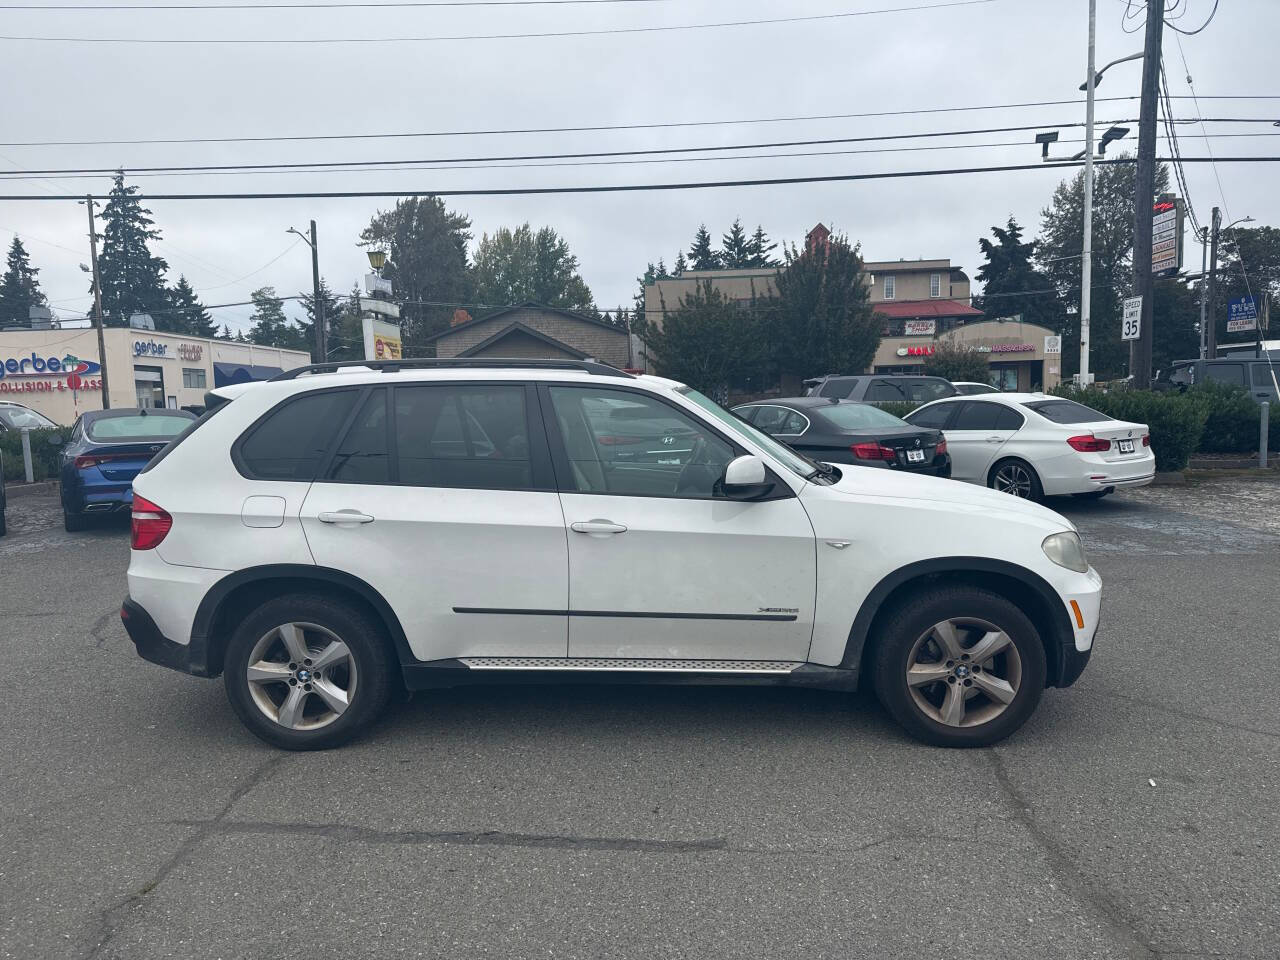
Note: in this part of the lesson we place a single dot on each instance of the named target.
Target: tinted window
(773, 419)
(858, 416)
(1232, 373)
(838, 387)
(152, 426)
(746, 413)
(922, 391)
(934, 416)
(1009, 419)
(462, 435)
(361, 456)
(1262, 375)
(881, 391)
(1066, 411)
(663, 453)
(977, 416)
(290, 443)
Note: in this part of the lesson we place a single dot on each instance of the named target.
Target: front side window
(1232, 373)
(463, 435)
(935, 284)
(976, 415)
(797, 463)
(780, 420)
(290, 442)
(890, 287)
(655, 450)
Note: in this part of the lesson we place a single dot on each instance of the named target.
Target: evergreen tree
(701, 256)
(19, 289)
(132, 279)
(187, 314)
(225, 334)
(1011, 283)
(735, 247)
(271, 327)
(681, 265)
(332, 312)
(662, 273)
(760, 249)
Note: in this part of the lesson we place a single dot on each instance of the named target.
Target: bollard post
(26, 454)
(1263, 429)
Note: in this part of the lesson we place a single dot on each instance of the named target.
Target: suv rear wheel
(304, 672)
(959, 667)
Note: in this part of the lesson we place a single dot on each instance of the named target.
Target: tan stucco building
(59, 371)
(1020, 356)
(532, 331)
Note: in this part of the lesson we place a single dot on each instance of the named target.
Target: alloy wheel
(1013, 478)
(301, 676)
(963, 672)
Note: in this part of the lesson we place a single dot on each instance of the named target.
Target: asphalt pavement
(1136, 815)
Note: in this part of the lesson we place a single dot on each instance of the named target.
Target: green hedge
(1176, 420)
(1232, 414)
(899, 408)
(46, 456)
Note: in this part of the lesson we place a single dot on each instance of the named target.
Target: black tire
(1036, 491)
(4, 527)
(74, 522)
(898, 633)
(369, 649)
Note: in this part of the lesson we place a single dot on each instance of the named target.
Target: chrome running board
(631, 665)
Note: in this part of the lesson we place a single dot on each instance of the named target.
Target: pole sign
(1167, 218)
(1052, 345)
(1131, 323)
(1242, 315)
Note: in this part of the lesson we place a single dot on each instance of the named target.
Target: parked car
(1254, 376)
(844, 431)
(1032, 445)
(314, 543)
(968, 388)
(17, 416)
(104, 452)
(881, 388)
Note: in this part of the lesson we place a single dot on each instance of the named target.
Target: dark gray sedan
(845, 431)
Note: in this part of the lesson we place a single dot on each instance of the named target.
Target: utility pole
(322, 339)
(1144, 194)
(1086, 259)
(1204, 289)
(97, 304)
(1212, 329)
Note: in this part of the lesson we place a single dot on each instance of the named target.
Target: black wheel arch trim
(1061, 646)
(210, 646)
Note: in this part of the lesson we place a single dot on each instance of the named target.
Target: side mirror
(745, 478)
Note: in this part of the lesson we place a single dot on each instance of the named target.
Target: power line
(634, 187)
(600, 127)
(1174, 148)
(1192, 33)
(549, 34)
(416, 166)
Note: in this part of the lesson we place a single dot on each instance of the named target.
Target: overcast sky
(998, 52)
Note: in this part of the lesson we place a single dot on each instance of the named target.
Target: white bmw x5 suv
(343, 530)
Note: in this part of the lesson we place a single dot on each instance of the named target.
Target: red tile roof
(926, 309)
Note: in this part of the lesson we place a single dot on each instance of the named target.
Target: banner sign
(919, 328)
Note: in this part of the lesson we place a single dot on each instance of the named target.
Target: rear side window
(1262, 375)
(1066, 411)
(977, 416)
(840, 387)
(362, 456)
(459, 435)
(1232, 373)
(881, 391)
(933, 417)
(292, 440)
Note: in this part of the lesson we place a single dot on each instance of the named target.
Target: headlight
(1065, 550)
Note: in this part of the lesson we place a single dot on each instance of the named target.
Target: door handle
(345, 516)
(995, 439)
(597, 528)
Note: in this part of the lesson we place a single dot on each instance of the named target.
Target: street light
(317, 305)
(377, 260)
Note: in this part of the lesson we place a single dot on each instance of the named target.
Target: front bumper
(154, 646)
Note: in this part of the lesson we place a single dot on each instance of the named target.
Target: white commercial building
(59, 372)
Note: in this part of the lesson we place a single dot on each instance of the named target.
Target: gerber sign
(35, 373)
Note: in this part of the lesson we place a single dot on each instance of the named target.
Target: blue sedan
(106, 450)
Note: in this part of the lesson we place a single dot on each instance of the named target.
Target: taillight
(151, 524)
(872, 451)
(942, 446)
(1146, 439)
(1088, 443)
(96, 459)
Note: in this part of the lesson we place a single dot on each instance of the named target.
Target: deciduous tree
(522, 265)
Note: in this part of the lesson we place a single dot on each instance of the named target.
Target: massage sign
(37, 374)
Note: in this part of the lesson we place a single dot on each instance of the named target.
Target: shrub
(955, 362)
(46, 456)
(899, 408)
(1176, 420)
(1232, 419)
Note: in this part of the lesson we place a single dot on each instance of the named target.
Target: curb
(1170, 478)
(31, 489)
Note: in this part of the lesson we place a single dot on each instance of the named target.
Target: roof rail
(394, 366)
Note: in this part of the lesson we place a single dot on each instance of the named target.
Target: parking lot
(1135, 815)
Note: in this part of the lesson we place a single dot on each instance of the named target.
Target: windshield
(801, 466)
(858, 416)
(19, 418)
(1066, 411)
(150, 426)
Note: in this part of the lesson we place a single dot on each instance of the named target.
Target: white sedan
(1033, 445)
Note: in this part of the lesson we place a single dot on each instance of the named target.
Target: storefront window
(1004, 377)
(148, 384)
(193, 378)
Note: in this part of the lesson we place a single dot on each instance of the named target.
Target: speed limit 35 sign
(1131, 323)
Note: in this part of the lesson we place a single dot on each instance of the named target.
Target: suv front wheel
(959, 667)
(304, 672)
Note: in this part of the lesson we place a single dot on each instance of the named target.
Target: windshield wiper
(820, 469)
